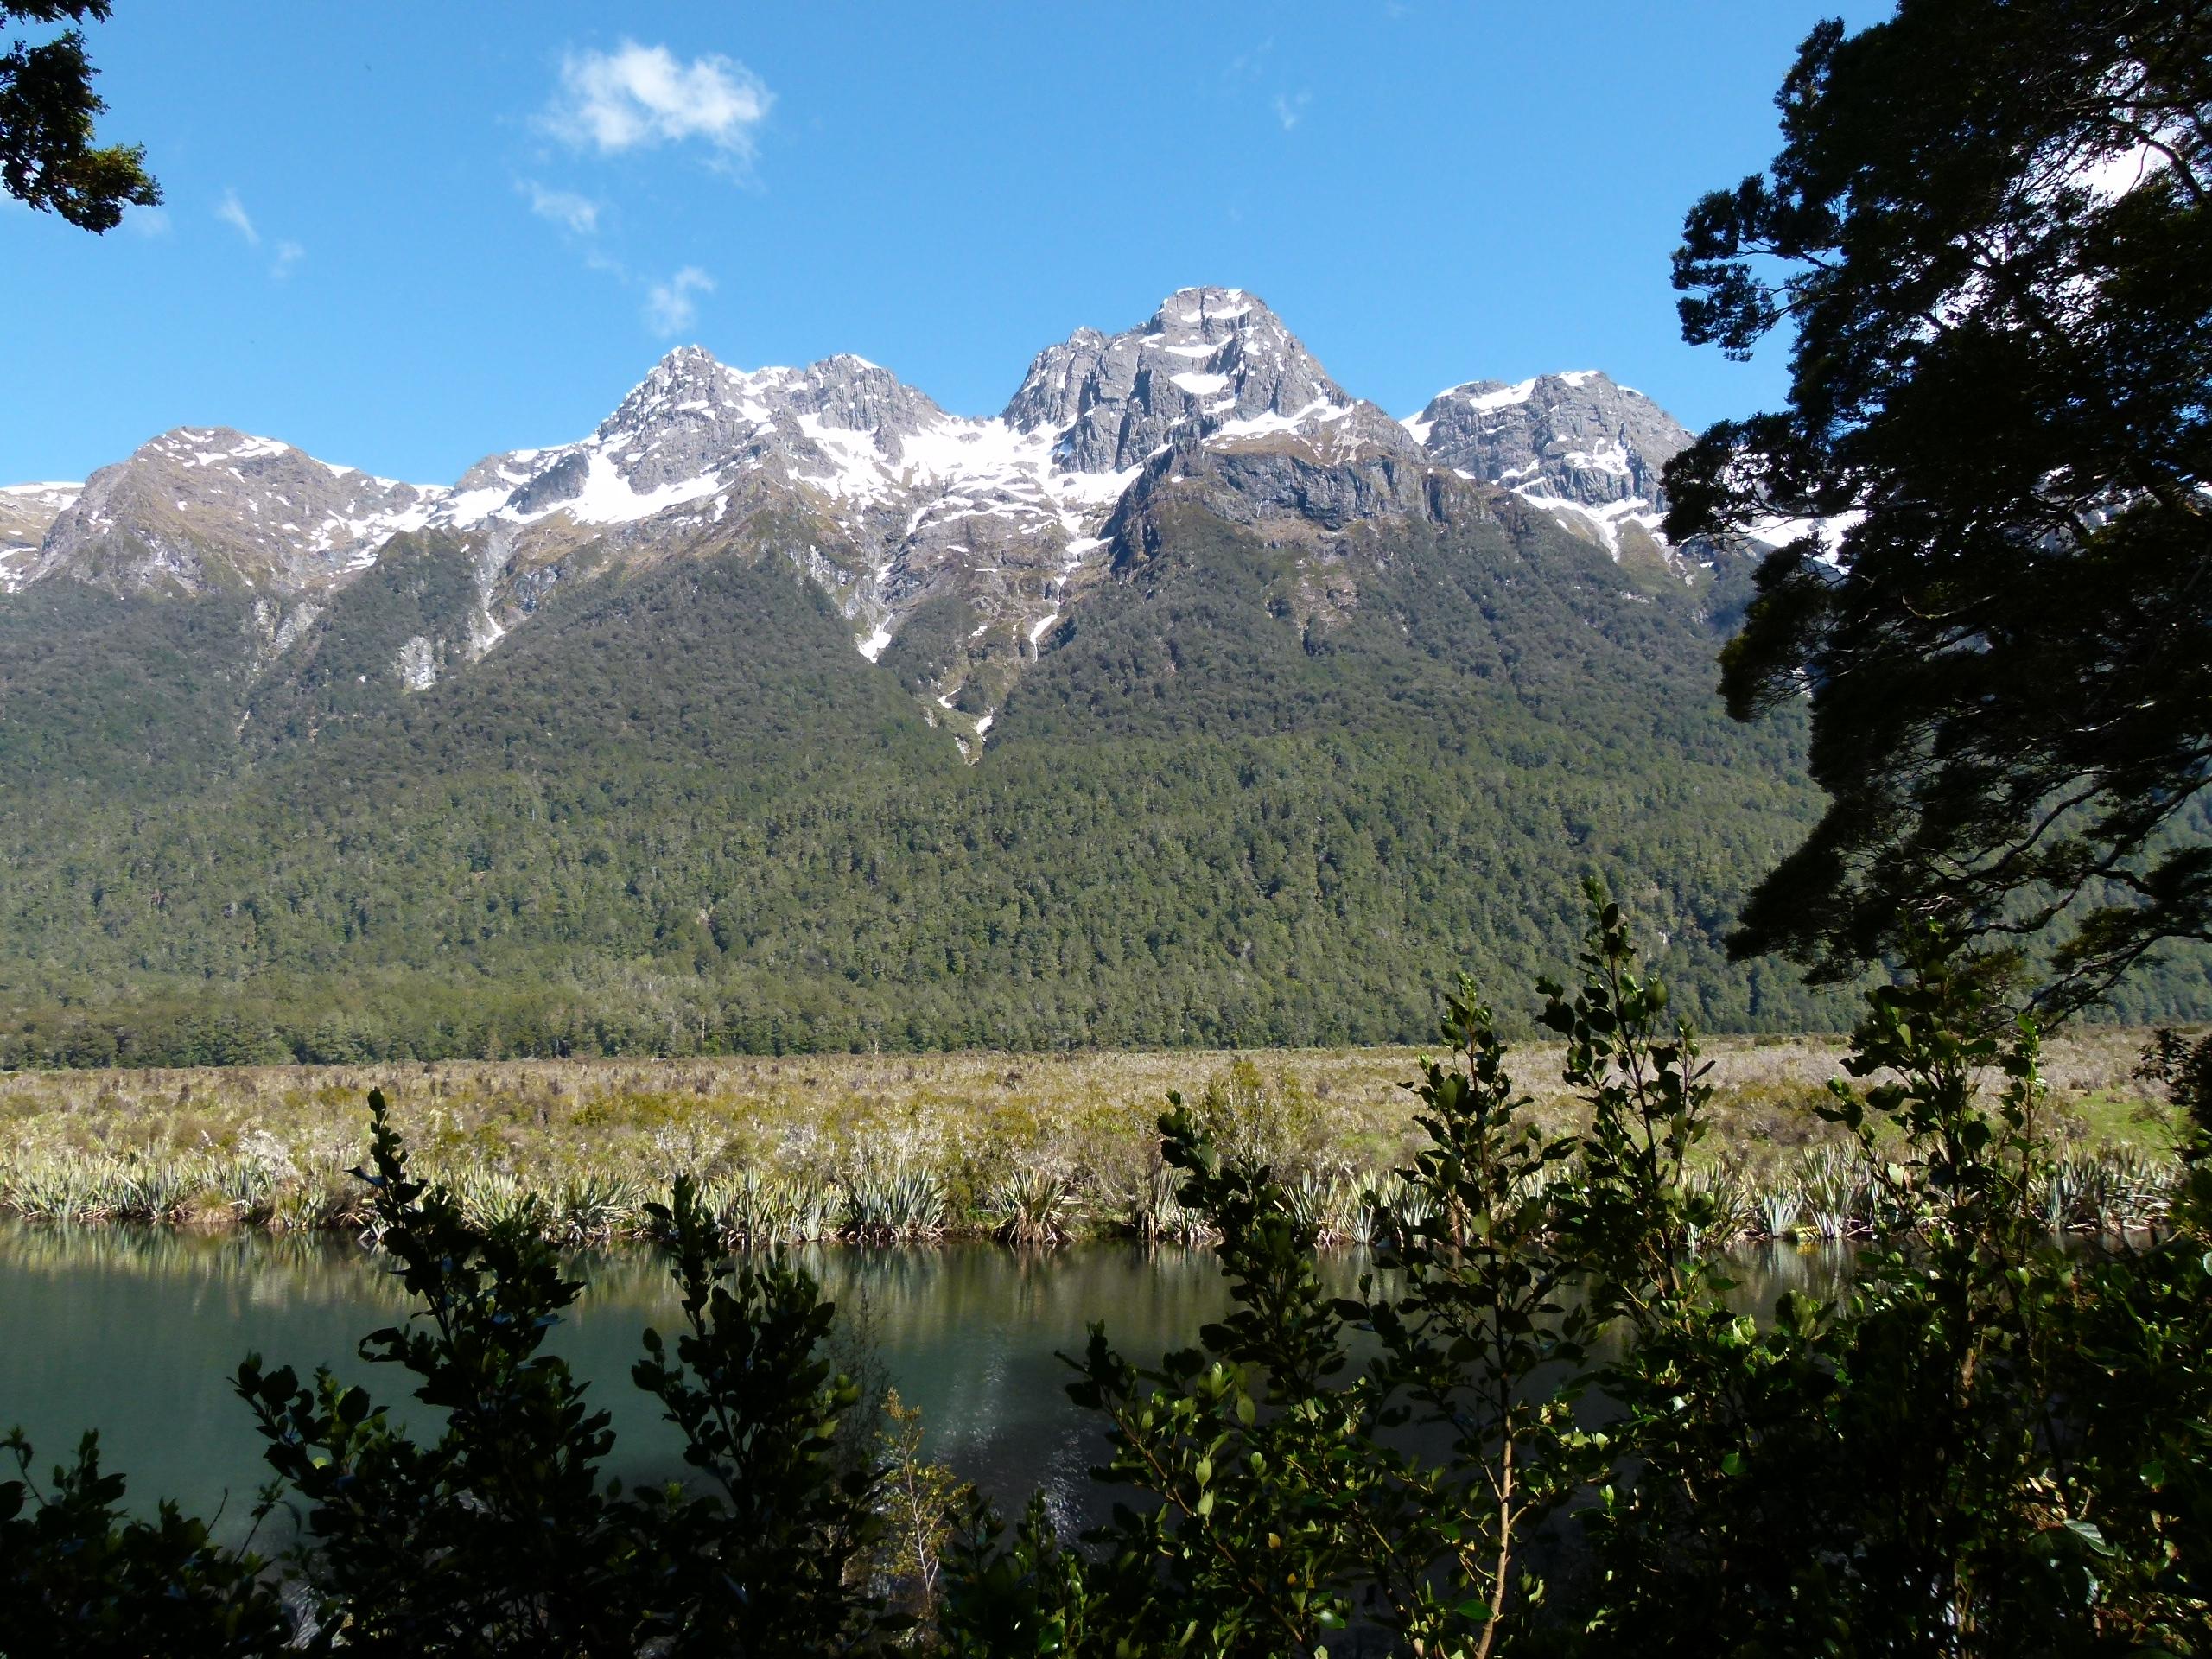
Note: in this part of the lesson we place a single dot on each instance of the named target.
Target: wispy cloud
(287, 253)
(232, 213)
(148, 222)
(641, 95)
(1250, 65)
(1253, 68)
(643, 98)
(579, 213)
(670, 307)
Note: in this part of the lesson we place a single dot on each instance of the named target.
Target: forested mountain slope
(1263, 745)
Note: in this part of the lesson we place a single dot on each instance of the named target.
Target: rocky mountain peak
(845, 391)
(686, 378)
(692, 425)
(989, 530)
(1578, 441)
(1209, 359)
(855, 394)
(203, 508)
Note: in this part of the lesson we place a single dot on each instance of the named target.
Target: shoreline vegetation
(1515, 1272)
(1031, 1150)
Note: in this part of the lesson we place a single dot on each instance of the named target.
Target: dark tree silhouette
(48, 155)
(1988, 228)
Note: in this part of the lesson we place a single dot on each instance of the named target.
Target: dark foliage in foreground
(49, 155)
(1987, 1446)
(1989, 228)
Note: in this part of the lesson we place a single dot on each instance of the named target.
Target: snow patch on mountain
(46, 498)
(1588, 451)
(27, 512)
(900, 502)
(1829, 533)
(1605, 521)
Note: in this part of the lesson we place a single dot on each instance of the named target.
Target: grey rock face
(276, 628)
(1291, 489)
(982, 532)
(543, 491)
(1209, 359)
(1576, 437)
(688, 416)
(692, 425)
(417, 663)
(206, 507)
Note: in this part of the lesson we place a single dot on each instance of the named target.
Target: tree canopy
(1988, 228)
(49, 157)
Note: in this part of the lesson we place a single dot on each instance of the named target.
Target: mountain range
(1190, 698)
(953, 545)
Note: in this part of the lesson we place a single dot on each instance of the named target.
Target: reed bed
(1031, 1150)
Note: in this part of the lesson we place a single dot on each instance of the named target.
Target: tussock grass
(1032, 1149)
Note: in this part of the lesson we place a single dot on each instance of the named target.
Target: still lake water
(137, 1332)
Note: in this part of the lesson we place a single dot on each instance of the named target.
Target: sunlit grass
(1031, 1149)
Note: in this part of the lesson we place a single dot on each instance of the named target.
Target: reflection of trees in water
(967, 1331)
(1763, 1272)
(268, 1269)
(914, 1297)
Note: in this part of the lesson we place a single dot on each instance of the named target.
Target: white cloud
(642, 95)
(148, 222)
(670, 307)
(580, 213)
(1291, 109)
(1250, 66)
(232, 213)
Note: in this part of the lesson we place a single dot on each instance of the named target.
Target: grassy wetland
(1034, 1150)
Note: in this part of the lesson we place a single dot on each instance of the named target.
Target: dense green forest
(677, 812)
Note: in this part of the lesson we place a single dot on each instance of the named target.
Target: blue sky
(402, 244)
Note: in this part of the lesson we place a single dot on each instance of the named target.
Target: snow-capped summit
(207, 507)
(990, 528)
(1577, 443)
(1210, 362)
(689, 428)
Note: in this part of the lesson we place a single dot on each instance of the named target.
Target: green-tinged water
(137, 1332)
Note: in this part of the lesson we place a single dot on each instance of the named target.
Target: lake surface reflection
(137, 1332)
